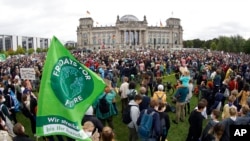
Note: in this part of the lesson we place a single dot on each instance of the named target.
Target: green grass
(176, 132)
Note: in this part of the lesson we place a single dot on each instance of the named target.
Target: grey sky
(204, 19)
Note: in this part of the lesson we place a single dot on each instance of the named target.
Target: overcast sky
(203, 19)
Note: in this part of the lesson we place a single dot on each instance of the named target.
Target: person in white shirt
(123, 93)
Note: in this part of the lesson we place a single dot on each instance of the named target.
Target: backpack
(126, 118)
(145, 127)
(103, 105)
(159, 98)
(131, 95)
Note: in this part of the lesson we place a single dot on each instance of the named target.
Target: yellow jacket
(160, 95)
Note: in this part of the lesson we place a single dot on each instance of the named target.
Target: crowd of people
(219, 80)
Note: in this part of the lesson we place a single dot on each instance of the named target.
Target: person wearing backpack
(160, 95)
(165, 122)
(131, 91)
(134, 113)
(149, 123)
(104, 106)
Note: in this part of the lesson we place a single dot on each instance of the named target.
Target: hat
(160, 87)
(90, 111)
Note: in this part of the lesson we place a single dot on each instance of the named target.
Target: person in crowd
(150, 75)
(195, 123)
(131, 92)
(180, 96)
(134, 114)
(29, 102)
(89, 116)
(107, 134)
(215, 115)
(189, 96)
(88, 127)
(227, 122)
(165, 122)
(243, 95)
(145, 99)
(225, 112)
(160, 95)
(185, 78)
(243, 119)
(109, 95)
(19, 130)
(215, 133)
(157, 83)
(123, 93)
(155, 130)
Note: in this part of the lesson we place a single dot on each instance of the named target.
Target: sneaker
(175, 122)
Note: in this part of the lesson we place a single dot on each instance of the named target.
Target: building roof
(129, 18)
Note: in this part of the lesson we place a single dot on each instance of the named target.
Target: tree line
(223, 43)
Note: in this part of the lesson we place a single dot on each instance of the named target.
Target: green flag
(2, 57)
(67, 90)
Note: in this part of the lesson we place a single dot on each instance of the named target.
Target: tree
(213, 45)
(224, 43)
(237, 43)
(11, 52)
(247, 46)
(20, 50)
(45, 50)
(38, 50)
(30, 51)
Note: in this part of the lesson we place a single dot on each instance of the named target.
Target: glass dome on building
(129, 18)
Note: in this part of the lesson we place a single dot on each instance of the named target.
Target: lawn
(176, 132)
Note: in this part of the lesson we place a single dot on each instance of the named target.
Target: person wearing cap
(160, 95)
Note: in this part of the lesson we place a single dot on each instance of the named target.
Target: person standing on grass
(180, 97)
(165, 122)
(195, 121)
(134, 114)
(189, 96)
(160, 95)
(123, 93)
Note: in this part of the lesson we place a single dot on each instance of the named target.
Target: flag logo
(69, 80)
(67, 89)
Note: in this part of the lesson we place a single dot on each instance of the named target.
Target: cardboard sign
(28, 73)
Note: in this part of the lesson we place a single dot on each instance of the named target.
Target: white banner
(28, 73)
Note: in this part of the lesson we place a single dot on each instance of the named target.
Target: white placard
(28, 73)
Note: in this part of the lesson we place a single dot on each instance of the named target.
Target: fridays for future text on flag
(67, 90)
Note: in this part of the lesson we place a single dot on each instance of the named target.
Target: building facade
(12, 42)
(129, 32)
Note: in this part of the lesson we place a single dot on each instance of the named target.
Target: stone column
(140, 37)
(3, 43)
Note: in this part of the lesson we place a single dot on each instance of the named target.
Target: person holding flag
(67, 89)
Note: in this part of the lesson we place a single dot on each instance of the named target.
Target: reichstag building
(129, 33)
